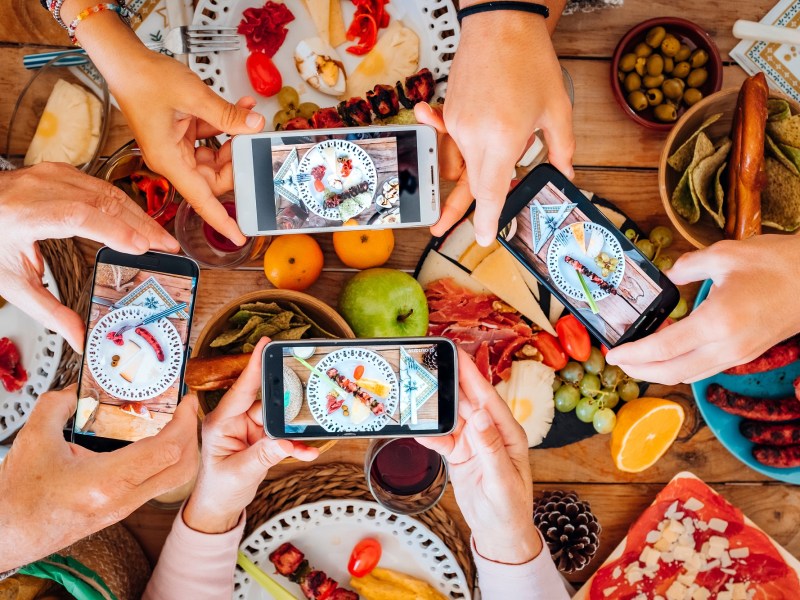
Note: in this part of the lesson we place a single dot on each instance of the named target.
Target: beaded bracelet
(54, 6)
(122, 11)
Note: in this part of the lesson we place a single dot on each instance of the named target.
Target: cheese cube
(683, 553)
(712, 564)
(617, 572)
(742, 552)
(610, 590)
(634, 576)
(649, 556)
(671, 510)
(723, 595)
(688, 524)
(676, 526)
(667, 557)
(718, 524)
(739, 591)
(663, 544)
(716, 540)
(701, 525)
(652, 537)
(686, 539)
(729, 572)
(676, 591)
(687, 578)
(694, 563)
(701, 594)
(693, 504)
(725, 559)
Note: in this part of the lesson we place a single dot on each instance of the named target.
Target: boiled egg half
(320, 66)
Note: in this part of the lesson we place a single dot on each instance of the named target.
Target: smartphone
(132, 371)
(309, 181)
(389, 387)
(583, 259)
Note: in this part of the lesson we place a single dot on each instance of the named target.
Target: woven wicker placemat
(345, 481)
(72, 276)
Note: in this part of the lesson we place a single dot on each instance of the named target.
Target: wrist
(208, 519)
(519, 546)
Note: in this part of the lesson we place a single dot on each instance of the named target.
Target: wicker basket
(346, 481)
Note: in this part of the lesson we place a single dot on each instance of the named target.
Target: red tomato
(365, 557)
(603, 350)
(359, 372)
(574, 338)
(552, 352)
(264, 75)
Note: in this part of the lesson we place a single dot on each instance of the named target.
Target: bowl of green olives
(661, 68)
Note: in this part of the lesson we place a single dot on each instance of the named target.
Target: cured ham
(12, 374)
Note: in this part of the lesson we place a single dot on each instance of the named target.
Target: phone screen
(572, 247)
(310, 181)
(132, 371)
(368, 389)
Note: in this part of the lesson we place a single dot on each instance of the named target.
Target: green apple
(384, 303)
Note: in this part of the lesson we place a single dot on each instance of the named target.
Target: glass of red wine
(404, 476)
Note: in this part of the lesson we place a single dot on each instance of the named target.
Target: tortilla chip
(270, 328)
(262, 307)
(701, 178)
(295, 333)
(719, 192)
(315, 330)
(686, 203)
(682, 157)
(248, 348)
(786, 131)
(780, 200)
(792, 154)
(775, 151)
(778, 109)
(230, 337)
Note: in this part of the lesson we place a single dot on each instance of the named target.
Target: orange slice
(646, 428)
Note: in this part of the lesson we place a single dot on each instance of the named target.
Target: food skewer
(588, 294)
(593, 277)
(275, 589)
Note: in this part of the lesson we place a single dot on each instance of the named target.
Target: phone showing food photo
(583, 259)
(307, 181)
(137, 332)
(391, 387)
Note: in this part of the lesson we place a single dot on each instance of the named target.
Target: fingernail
(254, 120)
(483, 240)
(481, 420)
(141, 243)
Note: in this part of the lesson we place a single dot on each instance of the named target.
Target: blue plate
(772, 384)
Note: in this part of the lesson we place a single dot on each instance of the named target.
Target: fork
(153, 318)
(199, 39)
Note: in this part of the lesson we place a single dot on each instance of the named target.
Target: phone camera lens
(430, 150)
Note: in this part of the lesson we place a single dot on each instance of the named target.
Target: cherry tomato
(359, 372)
(365, 557)
(552, 352)
(574, 338)
(264, 75)
(603, 350)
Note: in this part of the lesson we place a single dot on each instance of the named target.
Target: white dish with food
(142, 366)
(326, 533)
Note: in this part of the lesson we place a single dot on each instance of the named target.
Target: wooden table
(616, 159)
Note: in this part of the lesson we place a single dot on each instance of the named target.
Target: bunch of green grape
(592, 389)
(291, 107)
(652, 247)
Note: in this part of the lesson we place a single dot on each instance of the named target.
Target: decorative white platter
(434, 21)
(153, 377)
(40, 351)
(326, 533)
(345, 361)
(321, 155)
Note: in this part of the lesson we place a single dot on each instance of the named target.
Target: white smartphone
(310, 181)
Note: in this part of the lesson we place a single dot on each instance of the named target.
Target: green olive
(669, 64)
(282, 116)
(288, 97)
(307, 110)
(642, 50)
(681, 70)
(652, 81)
(665, 113)
(672, 88)
(670, 45)
(655, 36)
(697, 78)
(641, 65)
(632, 82)
(637, 100)
(692, 96)
(699, 58)
(655, 97)
(627, 62)
(683, 53)
(655, 64)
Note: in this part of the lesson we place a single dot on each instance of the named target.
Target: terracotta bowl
(688, 33)
(704, 232)
(322, 314)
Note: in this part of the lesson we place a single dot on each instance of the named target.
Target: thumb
(254, 462)
(226, 117)
(53, 410)
(489, 447)
(692, 266)
(427, 115)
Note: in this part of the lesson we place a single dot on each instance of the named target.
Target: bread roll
(215, 372)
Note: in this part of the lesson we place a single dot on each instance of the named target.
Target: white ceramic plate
(345, 361)
(40, 351)
(363, 169)
(154, 376)
(434, 21)
(566, 277)
(326, 533)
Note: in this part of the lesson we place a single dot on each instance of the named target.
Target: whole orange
(293, 262)
(363, 249)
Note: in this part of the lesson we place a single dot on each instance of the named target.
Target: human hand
(236, 454)
(58, 493)
(488, 459)
(505, 82)
(55, 200)
(750, 309)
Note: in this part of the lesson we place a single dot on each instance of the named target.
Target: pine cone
(431, 358)
(569, 527)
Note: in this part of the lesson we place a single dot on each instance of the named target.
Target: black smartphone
(390, 387)
(137, 333)
(583, 259)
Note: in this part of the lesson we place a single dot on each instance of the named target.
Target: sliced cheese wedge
(499, 273)
(529, 395)
(475, 254)
(556, 309)
(320, 11)
(529, 279)
(438, 267)
(358, 411)
(338, 31)
(458, 240)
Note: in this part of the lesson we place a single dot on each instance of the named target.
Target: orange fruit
(293, 262)
(363, 249)
(646, 428)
